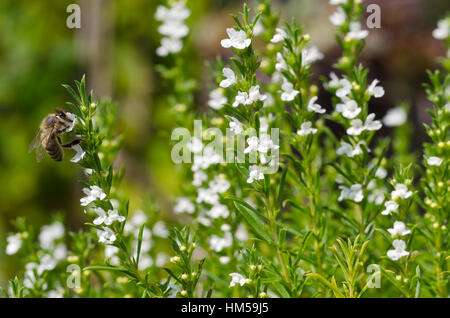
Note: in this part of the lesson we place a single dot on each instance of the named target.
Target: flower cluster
(173, 28)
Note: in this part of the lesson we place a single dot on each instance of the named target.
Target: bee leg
(72, 143)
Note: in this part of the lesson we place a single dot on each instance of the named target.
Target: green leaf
(72, 92)
(138, 254)
(395, 282)
(254, 221)
(281, 187)
(111, 269)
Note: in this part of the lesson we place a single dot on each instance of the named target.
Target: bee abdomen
(54, 151)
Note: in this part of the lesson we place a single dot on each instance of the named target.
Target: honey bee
(48, 138)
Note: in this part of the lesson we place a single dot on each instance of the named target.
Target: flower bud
(183, 293)
(184, 276)
(181, 108)
(72, 259)
(174, 259)
(122, 280)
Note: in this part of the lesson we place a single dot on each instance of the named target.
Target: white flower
(371, 124)
(60, 252)
(337, 2)
(401, 191)
(88, 171)
(289, 92)
(356, 127)
(235, 126)
(173, 290)
(241, 233)
(184, 205)
(442, 31)
(46, 263)
(101, 216)
(230, 77)
(161, 259)
(334, 81)
(395, 117)
(145, 261)
(217, 243)
(399, 228)
(160, 230)
(279, 36)
(349, 109)
(377, 196)
(252, 144)
(111, 254)
(107, 218)
(306, 129)
(255, 174)
(217, 99)
(374, 90)
(106, 236)
(338, 18)
(208, 196)
(219, 185)
(310, 55)
(237, 39)
(14, 244)
(199, 177)
(399, 250)
(73, 121)
(313, 107)
(254, 94)
(390, 206)
(345, 89)
(355, 31)
(208, 158)
(218, 211)
(237, 278)
(281, 63)
(265, 143)
(224, 259)
(178, 11)
(345, 148)
(92, 193)
(381, 173)
(50, 233)
(195, 145)
(79, 153)
(270, 101)
(354, 193)
(434, 161)
(241, 98)
(168, 46)
(258, 28)
(348, 150)
(113, 215)
(174, 29)
(135, 222)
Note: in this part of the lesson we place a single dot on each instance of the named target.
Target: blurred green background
(115, 48)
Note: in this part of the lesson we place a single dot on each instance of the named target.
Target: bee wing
(36, 144)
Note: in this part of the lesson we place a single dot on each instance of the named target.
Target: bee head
(60, 113)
